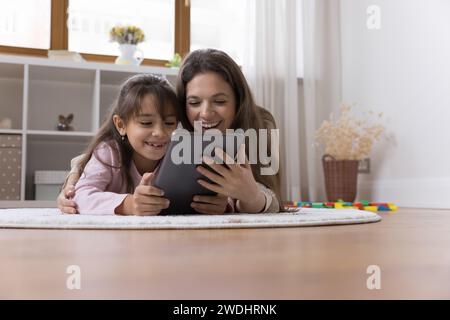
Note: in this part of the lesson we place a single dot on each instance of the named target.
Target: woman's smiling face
(210, 100)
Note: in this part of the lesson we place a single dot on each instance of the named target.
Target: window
(219, 24)
(25, 23)
(89, 23)
(34, 26)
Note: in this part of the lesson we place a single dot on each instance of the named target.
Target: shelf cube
(10, 168)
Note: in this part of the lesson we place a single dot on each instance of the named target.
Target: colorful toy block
(329, 204)
(393, 207)
(371, 208)
(359, 205)
(340, 204)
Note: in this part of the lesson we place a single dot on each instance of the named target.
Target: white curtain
(269, 65)
(321, 81)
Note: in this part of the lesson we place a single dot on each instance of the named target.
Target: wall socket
(364, 166)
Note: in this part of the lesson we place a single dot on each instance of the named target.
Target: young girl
(212, 89)
(116, 170)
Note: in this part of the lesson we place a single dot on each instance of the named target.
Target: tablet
(177, 174)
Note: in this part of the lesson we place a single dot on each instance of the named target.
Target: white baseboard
(417, 193)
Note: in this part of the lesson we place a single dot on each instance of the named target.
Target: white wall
(403, 70)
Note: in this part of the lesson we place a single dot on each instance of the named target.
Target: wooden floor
(412, 248)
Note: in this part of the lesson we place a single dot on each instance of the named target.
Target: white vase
(130, 54)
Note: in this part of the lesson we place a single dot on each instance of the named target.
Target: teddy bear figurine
(64, 123)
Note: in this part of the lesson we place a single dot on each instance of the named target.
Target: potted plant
(347, 140)
(128, 37)
(175, 62)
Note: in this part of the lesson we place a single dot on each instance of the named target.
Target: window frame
(59, 34)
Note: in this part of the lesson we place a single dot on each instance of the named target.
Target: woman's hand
(146, 200)
(236, 181)
(210, 204)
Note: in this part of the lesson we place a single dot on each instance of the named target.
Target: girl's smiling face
(148, 133)
(211, 100)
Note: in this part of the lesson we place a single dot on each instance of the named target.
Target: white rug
(51, 218)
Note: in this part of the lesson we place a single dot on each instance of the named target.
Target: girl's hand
(65, 204)
(236, 181)
(147, 200)
(210, 204)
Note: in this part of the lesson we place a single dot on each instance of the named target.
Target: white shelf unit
(35, 91)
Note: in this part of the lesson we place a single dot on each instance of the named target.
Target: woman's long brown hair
(248, 114)
(127, 105)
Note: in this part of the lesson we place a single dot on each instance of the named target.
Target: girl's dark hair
(127, 106)
(248, 114)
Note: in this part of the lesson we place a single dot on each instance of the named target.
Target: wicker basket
(341, 178)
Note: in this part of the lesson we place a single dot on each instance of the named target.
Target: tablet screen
(177, 174)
